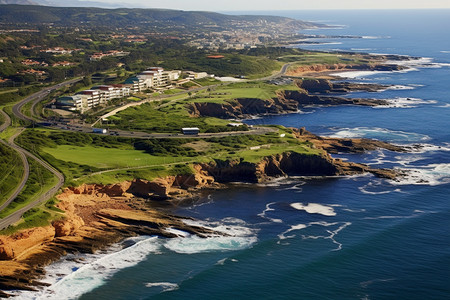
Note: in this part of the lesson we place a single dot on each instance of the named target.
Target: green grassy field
(12, 167)
(39, 181)
(173, 113)
(314, 58)
(108, 158)
(240, 90)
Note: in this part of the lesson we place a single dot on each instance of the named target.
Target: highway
(26, 170)
(36, 97)
(39, 96)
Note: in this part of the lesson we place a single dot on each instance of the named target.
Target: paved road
(26, 169)
(113, 112)
(7, 120)
(36, 97)
(144, 135)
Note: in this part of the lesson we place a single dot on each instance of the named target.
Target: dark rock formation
(326, 86)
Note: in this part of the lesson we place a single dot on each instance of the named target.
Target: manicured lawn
(108, 158)
(12, 171)
(256, 155)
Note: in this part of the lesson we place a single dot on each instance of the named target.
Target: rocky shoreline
(97, 216)
(312, 92)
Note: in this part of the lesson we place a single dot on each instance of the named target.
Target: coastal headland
(93, 214)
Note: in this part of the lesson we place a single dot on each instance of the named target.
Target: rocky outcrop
(287, 164)
(325, 86)
(304, 99)
(342, 145)
(302, 70)
(12, 247)
(288, 101)
(243, 107)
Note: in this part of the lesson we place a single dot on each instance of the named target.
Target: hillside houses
(100, 55)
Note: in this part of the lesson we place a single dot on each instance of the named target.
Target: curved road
(26, 169)
(282, 72)
(36, 97)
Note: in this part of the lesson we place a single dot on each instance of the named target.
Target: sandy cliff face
(302, 70)
(14, 246)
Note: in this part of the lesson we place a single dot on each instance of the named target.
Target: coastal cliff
(311, 92)
(319, 68)
(98, 215)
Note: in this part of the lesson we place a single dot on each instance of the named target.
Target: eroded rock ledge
(312, 92)
(99, 215)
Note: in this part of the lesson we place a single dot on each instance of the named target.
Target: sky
(267, 5)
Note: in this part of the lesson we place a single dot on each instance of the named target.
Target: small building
(190, 130)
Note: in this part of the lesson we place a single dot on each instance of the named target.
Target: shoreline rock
(312, 92)
(97, 216)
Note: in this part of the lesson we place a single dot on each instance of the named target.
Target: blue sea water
(317, 238)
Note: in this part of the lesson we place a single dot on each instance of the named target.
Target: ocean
(356, 237)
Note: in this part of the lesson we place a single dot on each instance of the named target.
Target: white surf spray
(433, 174)
(75, 279)
(165, 286)
(330, 234)
(403, 102)
(230, 237)
(379, 134)
(263, 214)
(315, 208)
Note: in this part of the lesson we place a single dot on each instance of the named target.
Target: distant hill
(21, 2)
(75, 16)
(81, 3)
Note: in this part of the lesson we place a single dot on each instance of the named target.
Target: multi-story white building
(92, 97)
(72, 103)
(152, 78)
(136, 84)
(156, 77)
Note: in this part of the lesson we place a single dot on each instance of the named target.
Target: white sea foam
(354, 210)
(268, 208)
(403, 102)
(423, 62)
(283, 236)
(76, 275)
(195, 244)
(423, 148)
(380, 134)
(369, 37)
(314, 208)
(373, 189)
(165, 286)
(416, 213)
(363, 74)
(71, 279)
(401, 87)
(236, 237)
(447, 105)
(177, 232)
(223, 261)
(330, 234)
(433, 174)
